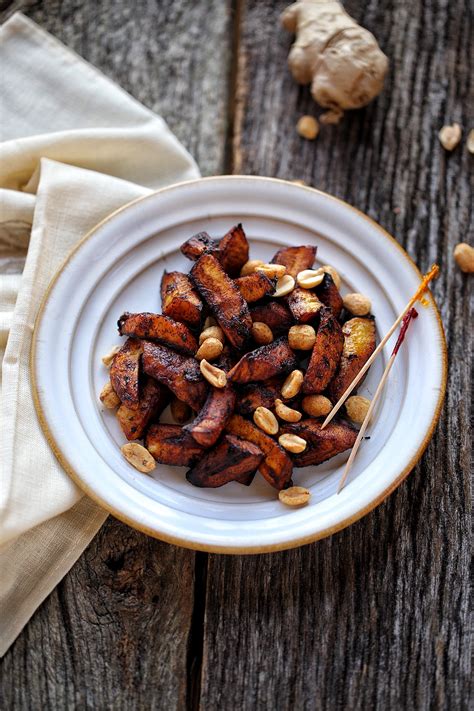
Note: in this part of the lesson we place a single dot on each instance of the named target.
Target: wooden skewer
(411, 314)
(433, 272)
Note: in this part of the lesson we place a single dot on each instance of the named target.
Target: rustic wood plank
(114, 632)
(374, 617)
(121, 630)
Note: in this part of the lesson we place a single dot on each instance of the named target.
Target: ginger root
(340, 59)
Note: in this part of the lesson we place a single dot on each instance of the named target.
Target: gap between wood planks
(232, 164)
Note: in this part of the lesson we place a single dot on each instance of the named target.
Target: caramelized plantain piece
(328, 294)
(125, 371)
(224, 299)
(304, 305)
(211, 420)
(198, 244)
(180, 300)
(234, 250)
(170, 444)
(275, 314)
(247, 479)
(322, 444)
(295, 259)
(233, 459)
(276, 468)
(180, 411)
(152, 402)
(359, 344)
(262, 394)
(182, 375)
(255, 286)
(326, 353)
(264, 362)
(159, 328)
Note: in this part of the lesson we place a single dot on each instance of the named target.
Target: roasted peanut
(210, 321)
(294, 496)
(108, 359)
(449, 136)
(138, 457)
(292, 384)
(292, 443)
(357, 408)
(470, 141)
(309, 278)
(464, 256)
(180, 411)
(316, 405)
(261, 333)
(334, 273)
(209, 349)
(287, 413)
(284, 286)
(308, 127)
(357, 304)
(212, 332)
(272, 271)
(109, 397)
(250, 266)
(215, 376)
(301, 338)
(266, 420)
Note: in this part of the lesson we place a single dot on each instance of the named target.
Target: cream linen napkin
(74, 148)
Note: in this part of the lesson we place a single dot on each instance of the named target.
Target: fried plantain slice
(233, 459)
(328, 294)
(325, 355)
(359, 344)
(181, 374)
(277, 466)
(233, 250)
(159, 328)
(324, 444)
(261, 394)
(304, 305)
(275, 314)
(264, 362)
(180, 300)
(247, 479)
(197, 245)
(152, 402)
(125, 371)
(223, 298)
(295, 259)
(255, 286)
(213, 417)
(170, 444)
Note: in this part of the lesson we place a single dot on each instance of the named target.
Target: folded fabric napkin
(74, 148)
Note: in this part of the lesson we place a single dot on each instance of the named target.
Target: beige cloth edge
(45, 549)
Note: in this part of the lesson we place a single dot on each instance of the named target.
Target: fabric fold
(74, 148)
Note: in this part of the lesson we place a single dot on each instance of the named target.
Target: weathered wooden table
(376, 616)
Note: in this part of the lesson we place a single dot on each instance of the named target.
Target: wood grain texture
(113, 633)
(376, 616)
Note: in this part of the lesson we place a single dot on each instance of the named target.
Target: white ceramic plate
(118, 266)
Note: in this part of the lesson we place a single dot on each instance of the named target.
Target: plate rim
(183, 542)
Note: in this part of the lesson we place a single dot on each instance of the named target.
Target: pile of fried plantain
(157, 365)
